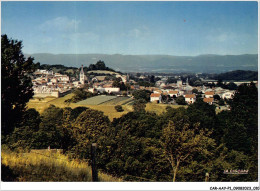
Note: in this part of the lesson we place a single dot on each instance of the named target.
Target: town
(46, 83)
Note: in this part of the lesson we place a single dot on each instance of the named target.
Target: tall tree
(181, 143)
(16, 86)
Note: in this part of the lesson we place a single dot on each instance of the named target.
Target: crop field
(117, 101)
(96, 100)
(105, 104)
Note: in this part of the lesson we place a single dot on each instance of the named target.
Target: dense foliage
(142, 94)
(79, 95)
(237, 75)
(16, 85)
(100, 65)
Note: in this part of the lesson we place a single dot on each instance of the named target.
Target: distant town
(164, 89)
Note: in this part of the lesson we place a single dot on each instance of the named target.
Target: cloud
(60, 24)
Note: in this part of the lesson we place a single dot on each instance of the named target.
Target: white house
(155, 97)
(108, 90)
(190, 98)
(227, 95)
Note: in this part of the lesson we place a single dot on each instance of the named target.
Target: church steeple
(82, 76)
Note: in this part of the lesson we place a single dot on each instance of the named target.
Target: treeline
(180, 144)
(100, 65)
(237, 75)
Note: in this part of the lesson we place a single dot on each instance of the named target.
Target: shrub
(119, 108)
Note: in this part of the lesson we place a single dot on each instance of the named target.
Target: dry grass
(46, 166)
(160, 108)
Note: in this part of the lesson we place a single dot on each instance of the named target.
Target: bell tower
(82, 76)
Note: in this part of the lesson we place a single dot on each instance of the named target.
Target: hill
(156, 63)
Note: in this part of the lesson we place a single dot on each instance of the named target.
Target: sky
(133, 28)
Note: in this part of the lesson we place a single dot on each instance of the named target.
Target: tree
(181, 142)
(139, 105)
(16, 87)
(89, 126)
(195, 91)
(142, 94)
(79, 94)
(180, 100)
(244, 113)
(232, 86)
(119, 108)
(216, 97)
(118, 83)
(50, 128)
(24, 134)
(221, 102)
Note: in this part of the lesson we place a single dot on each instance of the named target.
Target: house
(157, 91)
(209, 94)
(208, 100)
(155, 97)
(190, 98)
(173, 93)
(227, 95)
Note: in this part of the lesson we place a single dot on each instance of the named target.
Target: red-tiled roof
(155, 95)
(190, 96)
(173, 92)
(209, 93)
(208, 100)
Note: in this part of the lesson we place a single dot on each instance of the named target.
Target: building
(173, 93)
(209, 94)
(155, 97)
(208, 100)
(82, 76)
(190, 98)
(227, 95)
(179, 83)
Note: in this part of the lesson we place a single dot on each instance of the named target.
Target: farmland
(96, 100)
(105, 104)
(117, 101)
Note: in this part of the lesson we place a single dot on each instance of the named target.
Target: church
(82, 77)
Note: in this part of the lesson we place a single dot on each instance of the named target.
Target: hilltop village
(47, 83)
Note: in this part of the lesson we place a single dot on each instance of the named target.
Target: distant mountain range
(209, 63)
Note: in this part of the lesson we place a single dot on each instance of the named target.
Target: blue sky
(173, 28)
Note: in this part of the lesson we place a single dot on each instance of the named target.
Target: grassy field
(107, 105)
(47, 167)
(159, 108)
(109, 110)
(96, 100)
(117, 101)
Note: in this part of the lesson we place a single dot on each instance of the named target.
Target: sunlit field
(39, 166)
